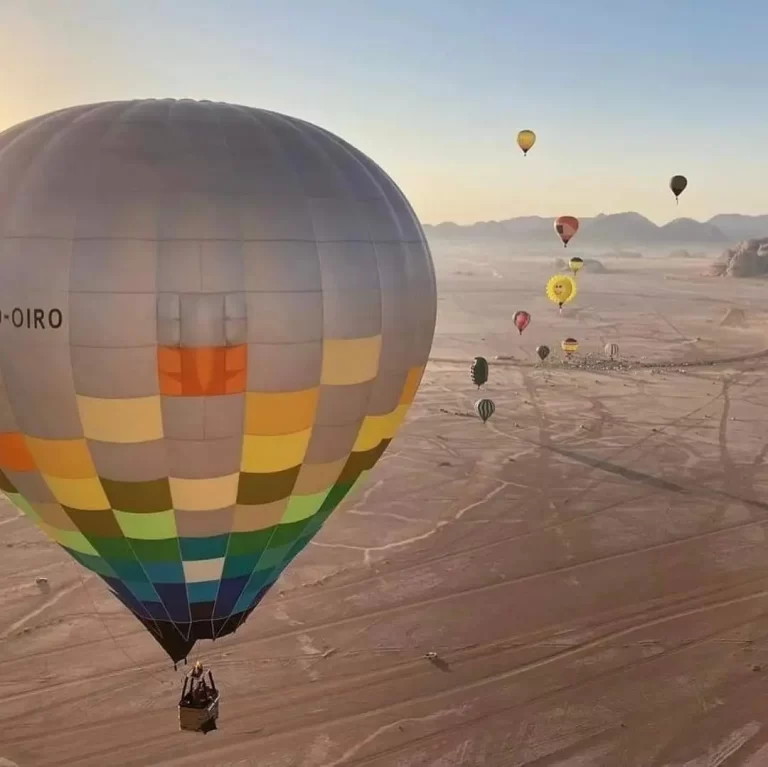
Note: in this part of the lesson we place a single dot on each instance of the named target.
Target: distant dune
(621, 254)
(733, 318)
(686, 254)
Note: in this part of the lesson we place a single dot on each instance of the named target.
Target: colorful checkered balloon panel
(213, 320)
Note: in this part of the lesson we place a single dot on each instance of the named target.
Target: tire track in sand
(58, 596)
(292, 729)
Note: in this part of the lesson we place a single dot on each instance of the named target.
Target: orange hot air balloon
(521, 320)
(566, 227)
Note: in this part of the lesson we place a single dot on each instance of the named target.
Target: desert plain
(590, 566)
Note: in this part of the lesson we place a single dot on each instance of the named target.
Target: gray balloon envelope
(213, 320)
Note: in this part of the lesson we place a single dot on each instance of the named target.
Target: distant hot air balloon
(478, 371)
(209, 349)
(561, 289)
(677, 184)
(485, 408)
(521, 320)
(543, 352)
(525, 140)
(566, 227)
(569, 346)
(576, 264)
(612, 350)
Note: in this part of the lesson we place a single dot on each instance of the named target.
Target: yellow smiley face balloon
(561, 289)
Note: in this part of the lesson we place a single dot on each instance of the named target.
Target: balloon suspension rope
(106, 627)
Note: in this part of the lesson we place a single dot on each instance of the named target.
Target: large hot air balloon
(569, 346)
(566, 227)
(215, 319)
(521, 319)
(525, 140)
(576, 264)
(612, 350)
(478, 371)
(677, 184)
(543, 352)
(561, 289)
(485, 408)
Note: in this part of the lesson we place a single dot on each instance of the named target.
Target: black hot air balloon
(478, 371)
(543, 352)
(677, 184)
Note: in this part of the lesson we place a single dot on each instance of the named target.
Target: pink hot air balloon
(521, 320)
(566, 227)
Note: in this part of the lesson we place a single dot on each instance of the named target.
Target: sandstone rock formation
(747, 259)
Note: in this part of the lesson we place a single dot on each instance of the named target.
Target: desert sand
(591, 565)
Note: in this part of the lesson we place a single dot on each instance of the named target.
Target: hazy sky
(622, 93)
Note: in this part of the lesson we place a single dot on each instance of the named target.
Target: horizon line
(617, 213)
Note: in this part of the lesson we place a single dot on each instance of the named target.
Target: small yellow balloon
(525, 140)
(561, 289)
(575, 264)
(569, 345)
